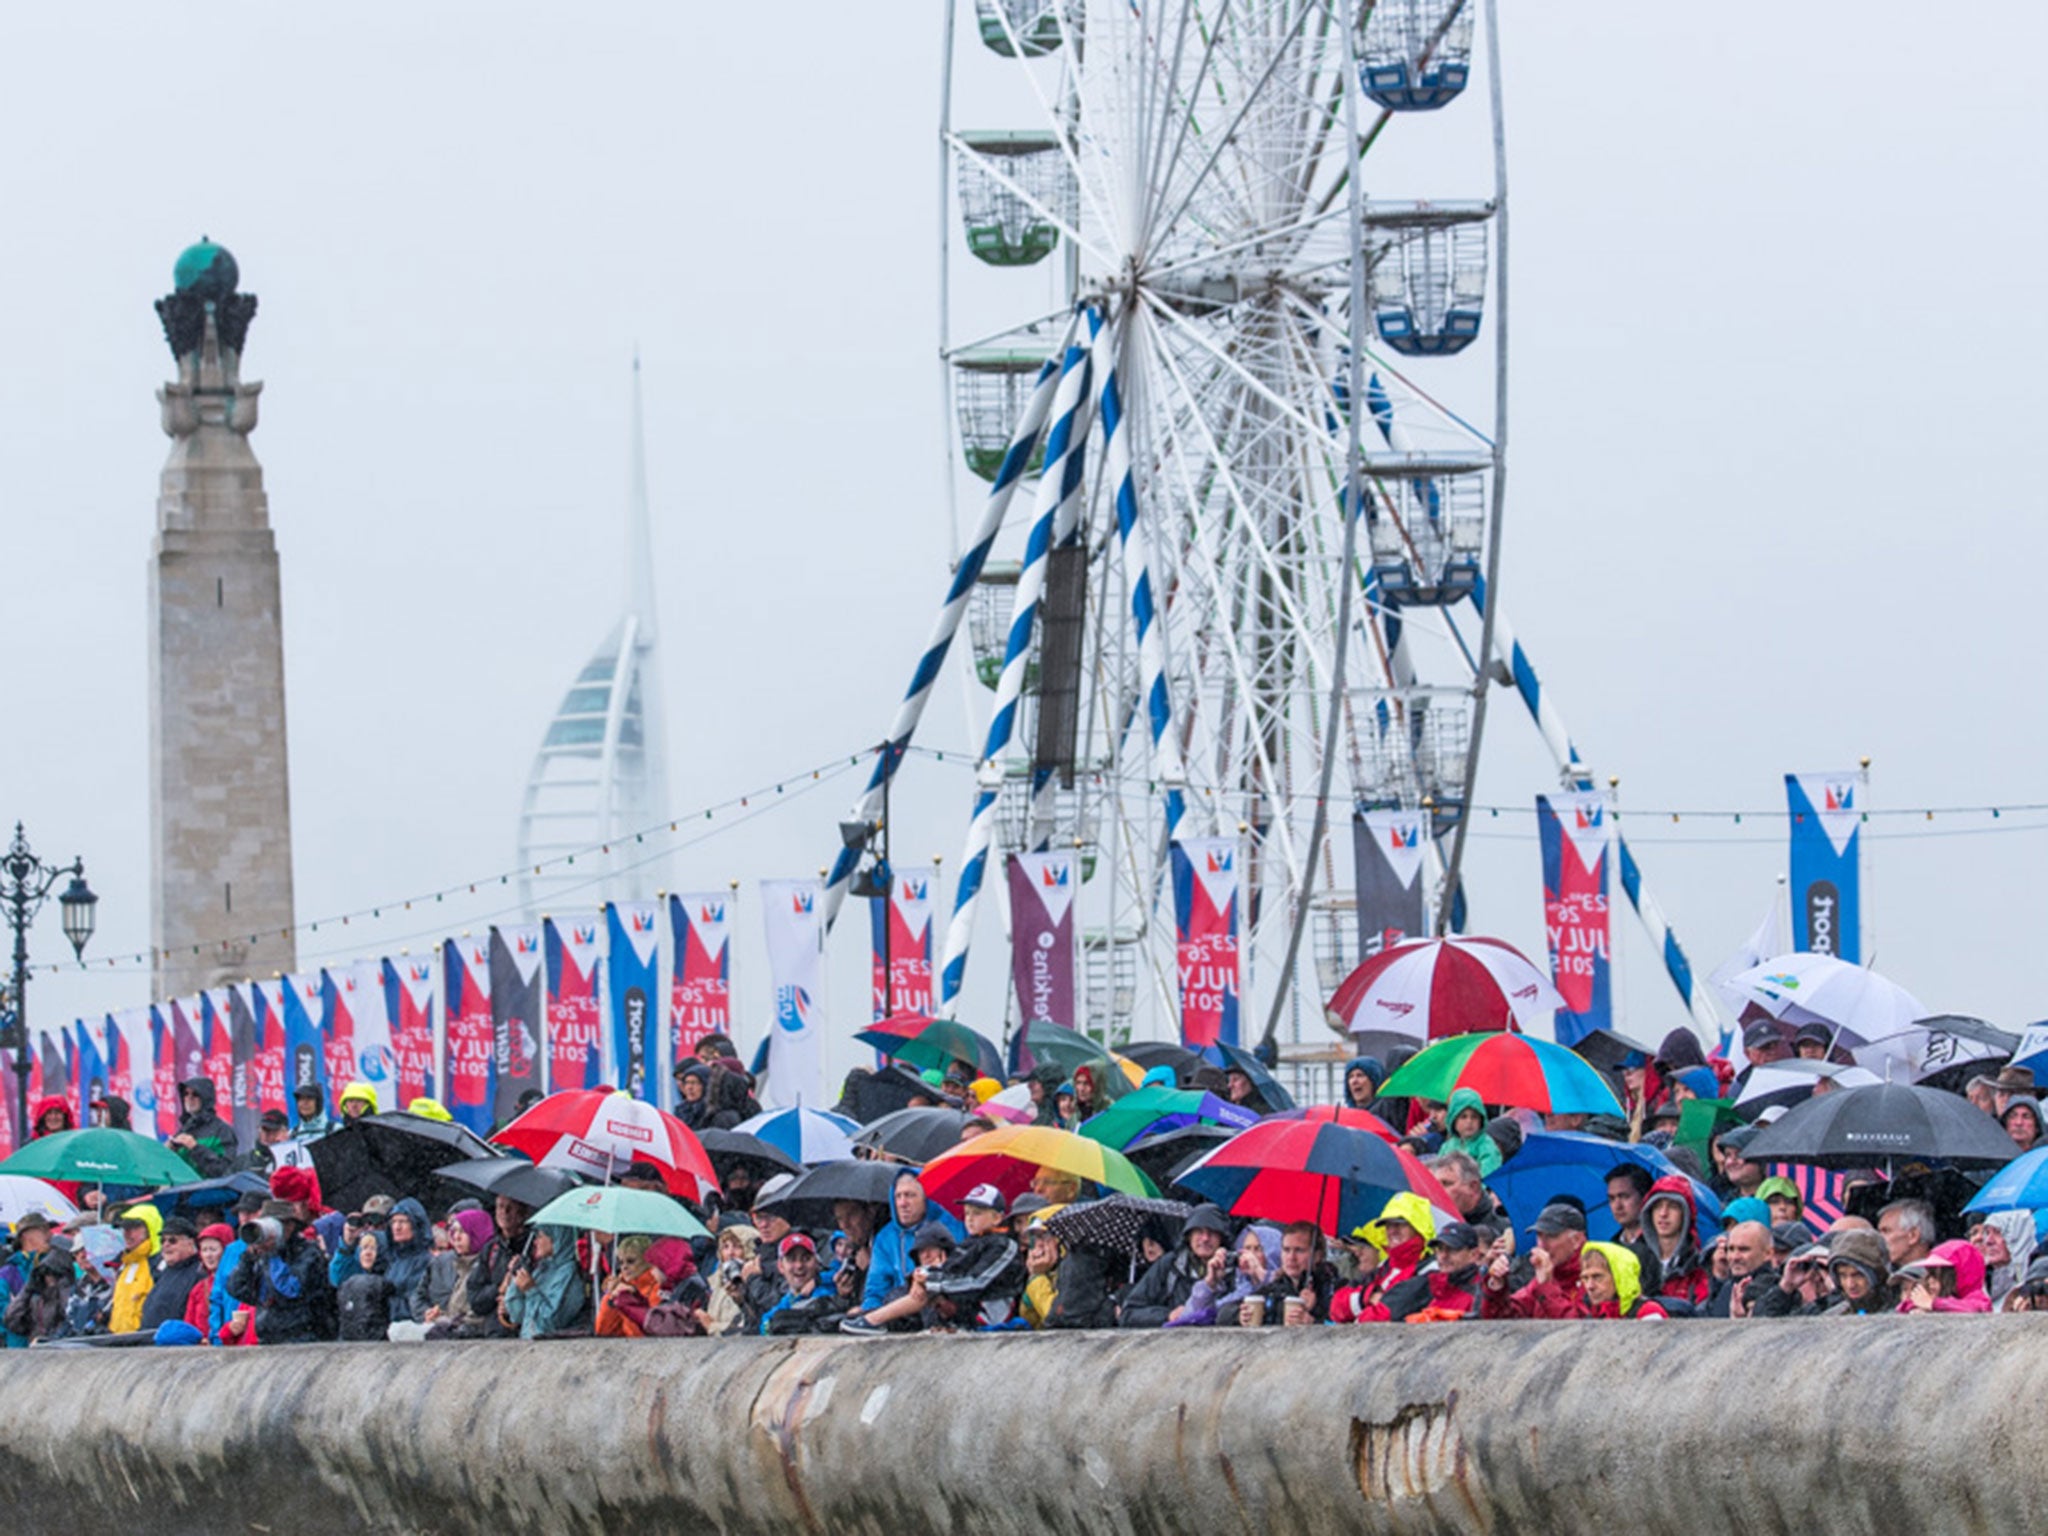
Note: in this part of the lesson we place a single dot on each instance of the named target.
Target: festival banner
(266, 1005)
(792, 928)
(1205, 934)
(466, 994)
(1572, 830)
(219, 1036)
(700, 992)
(10, 1139)
(246, 1101)
(409, 1004)
(163, 1071)
(188, 1043)
(131, 1065)
(338, 1038)
(304, 1001)
(55, 1054)
(575, 1027)
(902, 931)
(1826, 891)
(88, 1069)
(359, 993)
(633, 977)
(1042, 936)
(1387, 851)
(515, 1015)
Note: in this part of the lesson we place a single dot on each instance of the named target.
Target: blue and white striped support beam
(1572, 768)
(1023, 442)
(1059, 488)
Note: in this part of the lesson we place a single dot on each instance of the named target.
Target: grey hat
(1206, 1218)
(1559, 1217)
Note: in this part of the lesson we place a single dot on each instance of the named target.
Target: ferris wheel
(1181, 336)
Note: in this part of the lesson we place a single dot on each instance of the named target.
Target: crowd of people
(280, 1266)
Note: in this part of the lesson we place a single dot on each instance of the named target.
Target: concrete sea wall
(1892, 1425)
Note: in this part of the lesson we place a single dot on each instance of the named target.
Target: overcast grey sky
(1777, 304)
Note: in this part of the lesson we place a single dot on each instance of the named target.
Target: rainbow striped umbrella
(1149, 1111)
(1506, 1069)
(1307, 1170)
(1009, 1156)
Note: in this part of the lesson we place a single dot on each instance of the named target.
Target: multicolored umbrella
(1431, 989)
(100, 1155)
(1010, 1156)
(934, 1045)
(1305, 1170)
(1151, 1111)
(600, 1132)
(1506, 1069)
(1341, 1114)
(804, 1135)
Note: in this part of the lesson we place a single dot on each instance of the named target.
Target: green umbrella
(101, 1155)
(1699, 1119)
(614, 1209)
(937, 1046)
(1145, 1110)
(1056, 1045)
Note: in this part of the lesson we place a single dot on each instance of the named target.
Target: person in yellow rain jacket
(429, 1109)
(357, 1100)
(136, 1278)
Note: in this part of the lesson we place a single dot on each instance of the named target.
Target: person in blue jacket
(890, 1260)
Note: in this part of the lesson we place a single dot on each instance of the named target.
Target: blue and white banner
(305, 1037)
(633, 982)
(1573, 831)
(1827, 897)
(792, 913)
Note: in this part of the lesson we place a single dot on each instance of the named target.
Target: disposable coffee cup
(1253, 1310)
(1294, 1306)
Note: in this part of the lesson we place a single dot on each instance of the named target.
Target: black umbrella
(727, 1148)
(808, 1201)
(1189, 1070)
(1112, 1225)
(1232, 1058)
(2003, 1042)
(1870, 1127)
(1609, 1050)
(395, 1154)
(913, 1135)
(1158, 1156)
(516, 1178)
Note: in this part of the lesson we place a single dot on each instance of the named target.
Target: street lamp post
(25, 883)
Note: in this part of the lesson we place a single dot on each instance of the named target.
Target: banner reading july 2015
(466, 985)
(633, 974)
(902, 931)
(700, 992)
(409, 1005)
(1827, 905)
(1205, 932)
(575, 1023)
(1572, 831)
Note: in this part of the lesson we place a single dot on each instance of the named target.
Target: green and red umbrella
(1337, 1176)
(1506, 1069)
(933, 1044)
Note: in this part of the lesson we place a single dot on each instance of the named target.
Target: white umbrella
(1862, 1006)
(1788, 1077)
(20, 1194)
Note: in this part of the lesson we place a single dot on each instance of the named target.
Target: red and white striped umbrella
(600, 1132)
(1430, 989)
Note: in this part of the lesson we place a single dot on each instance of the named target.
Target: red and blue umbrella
(1554, 1163)
(1341, 1114)
(1336, 1176)
(1506, 1069)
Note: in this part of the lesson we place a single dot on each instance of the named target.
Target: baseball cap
(1459, 1236)
(1818, 1032)
(178, 1226)
(798, 1240)
(275, 1119)
(932, 1235)
(1739, 1138)
(1761, 1034)
(987, 1196)
(1557, 1218)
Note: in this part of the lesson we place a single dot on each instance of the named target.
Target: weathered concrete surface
(1923, 1425)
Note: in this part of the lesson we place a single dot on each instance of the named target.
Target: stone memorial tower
(221, 854)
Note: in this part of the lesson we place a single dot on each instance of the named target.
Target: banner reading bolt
(904, 921)
(1572, 830)
(1826, 894)
(633, 969)
(466, 985)
(1042, 936)
(1205, 930)
(790, 923)
(1388, 848)
(575, 1024)
(700, 992)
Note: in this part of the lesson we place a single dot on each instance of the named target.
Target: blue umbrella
(1554, 1163)
(2021, 1185)
(804, 1135)
(1232, 1058)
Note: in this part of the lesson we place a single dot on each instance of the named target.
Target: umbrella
(208, 1194)
(1863, 1127)
(394, 1154)
(600, 1132)
(1863, 1007)
(1428, 989)
(513, 1177)
(913, 1135)
(1610, 1050)
(615, 1210)
(1342, 1114)
(1189, 1070)
(100, 1155)
(1506, 1069)
(1010, 1156)
(1301, 1170)
(804, 1135)
(1791, 1082)
(1554, 1163)
(1159, 1156)
(1114, 1224)
(808, 1200)
(1231, 1058)
(2021, 1185)
(936, 1046)
(1150, 1110)
(728, 1149)
(1070, 1050)
(1014, 1105)
(20, 1194)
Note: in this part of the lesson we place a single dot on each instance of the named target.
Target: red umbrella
(1304, 1170)
(1430, 989)
(599, 1132)
(1339, 1114)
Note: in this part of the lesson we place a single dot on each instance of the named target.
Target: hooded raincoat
(212, 1153)
(1366, 1302)
(1968, 1264)
(1481, 1148)
(558, 1300)
(1687, 1276)
(1627, 1271)
(2017, 1228)
(136, 1277)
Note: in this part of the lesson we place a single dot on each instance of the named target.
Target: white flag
(791, 923)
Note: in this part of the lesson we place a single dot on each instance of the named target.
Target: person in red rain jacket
(53, 1114)
(1403, 1233)
(1560, 1232)
(1670, 1228)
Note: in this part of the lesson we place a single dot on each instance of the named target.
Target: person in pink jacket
(1950, 1279)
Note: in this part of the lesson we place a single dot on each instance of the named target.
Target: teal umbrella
(617, 1210)
(101, 1155)
(1059, 1046)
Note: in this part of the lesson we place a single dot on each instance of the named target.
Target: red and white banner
(1572, 831)
(338, 1040)
(266, 1002)
(575, 1016)
(1205, 886)
(163, 1072)
(700, 991)
(360, 995)
(1042, 887)
(902, 931)
(415, 1044)
(466, 984)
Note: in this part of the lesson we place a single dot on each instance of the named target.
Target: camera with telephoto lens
(263, 1232)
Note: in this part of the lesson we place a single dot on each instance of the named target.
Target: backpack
(365, 1303)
